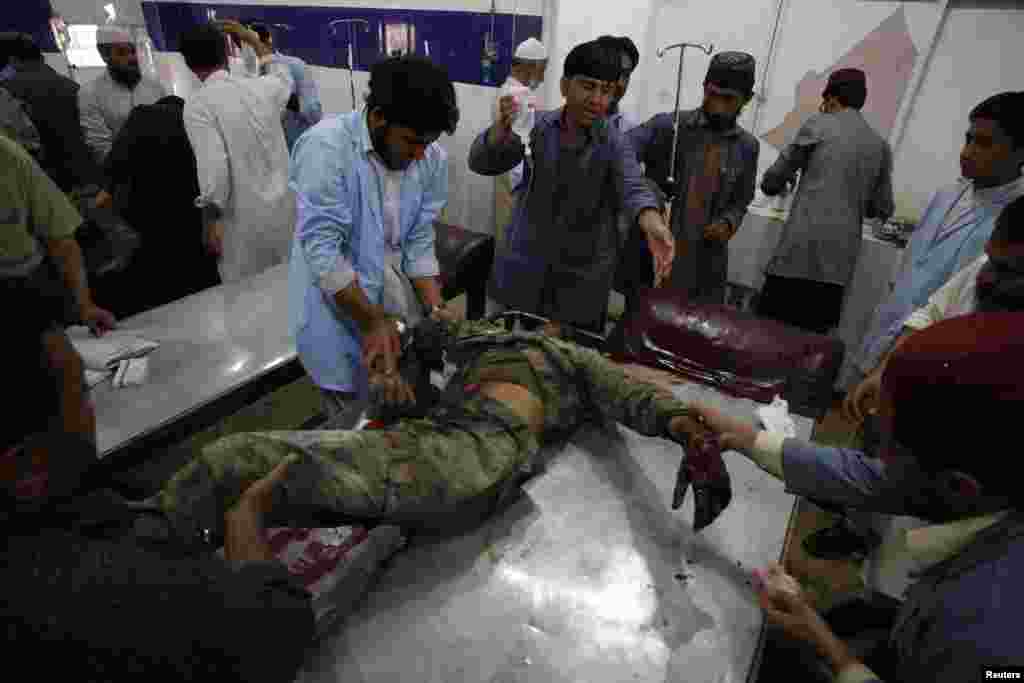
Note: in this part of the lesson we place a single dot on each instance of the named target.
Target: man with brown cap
(845, 171)
(714, 172)
(952, 395)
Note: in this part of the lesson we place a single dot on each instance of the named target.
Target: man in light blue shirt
(304, 109)
(957, 223)
(369, 186)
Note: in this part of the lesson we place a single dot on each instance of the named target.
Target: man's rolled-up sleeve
(419, 258)
(323, 211)
(213, 167)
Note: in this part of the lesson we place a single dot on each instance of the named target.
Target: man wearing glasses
(558, 255)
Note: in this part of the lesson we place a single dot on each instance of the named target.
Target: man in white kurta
(234, 125)
(105, 102)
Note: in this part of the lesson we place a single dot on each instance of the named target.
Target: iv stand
(351, 43)
(706, 49)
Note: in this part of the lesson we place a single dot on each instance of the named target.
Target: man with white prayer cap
(529, 62)
(105, 103)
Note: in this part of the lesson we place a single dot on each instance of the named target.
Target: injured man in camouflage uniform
(474, 441)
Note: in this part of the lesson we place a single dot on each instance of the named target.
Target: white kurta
(104, 106)
(234, 125)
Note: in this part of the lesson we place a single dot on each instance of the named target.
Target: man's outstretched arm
(642, 406)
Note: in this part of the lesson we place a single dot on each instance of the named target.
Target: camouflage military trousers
(421, 473)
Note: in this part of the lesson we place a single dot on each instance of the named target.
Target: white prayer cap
(531, 49)
(110, 34)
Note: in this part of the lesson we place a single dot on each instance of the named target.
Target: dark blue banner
(29, 16)
(457, 40)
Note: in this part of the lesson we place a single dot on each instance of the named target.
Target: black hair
(415, 93)
(852, 95)
(203, 47)
(624, 45)
(21, 46)
(170, 101)
(629, 47)
(1010, 224)
(1006, 109)
(594, 59)
(7, 41)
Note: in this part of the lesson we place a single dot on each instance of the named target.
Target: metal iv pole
(706, 49)
(351, 49)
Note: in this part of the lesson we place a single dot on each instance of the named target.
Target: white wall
(978, 53)
(92, 12)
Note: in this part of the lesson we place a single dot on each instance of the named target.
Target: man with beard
(846, 176)
(951, 396)
(105, 103)
(560, 250)
(234, 125)
(715, 170)
(369, 185)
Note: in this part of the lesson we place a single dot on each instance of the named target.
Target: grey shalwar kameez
(846, 176)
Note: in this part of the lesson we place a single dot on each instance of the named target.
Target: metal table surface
(212, 343)
(589, 576)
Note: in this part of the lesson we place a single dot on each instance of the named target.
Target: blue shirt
(935, 253)
(310, 110)
(957, 619)
(339, 237)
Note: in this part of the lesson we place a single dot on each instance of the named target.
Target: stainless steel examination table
(588, 576)
(219, 349)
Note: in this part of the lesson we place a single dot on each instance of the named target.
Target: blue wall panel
(455, 39)
(29, 16)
